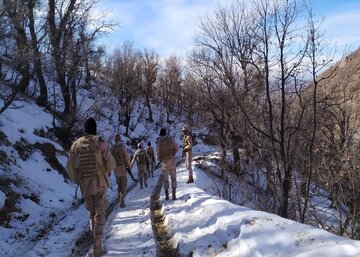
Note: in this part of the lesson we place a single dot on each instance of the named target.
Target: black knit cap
(162, 132)
(90, 126)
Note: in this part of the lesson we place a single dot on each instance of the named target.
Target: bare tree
(150, 65)
(18, 17)
(319, 56)
(336, 168)
(124, 72)
(170, 79)
(256, 52)
(70, 38)
(212, 96)
(35, 47)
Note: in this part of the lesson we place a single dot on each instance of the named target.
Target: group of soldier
(91, 163)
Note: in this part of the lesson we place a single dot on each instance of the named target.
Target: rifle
(76, 201)
(131, 175)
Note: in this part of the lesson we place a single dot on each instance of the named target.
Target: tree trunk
(148, 105)
(43, 97)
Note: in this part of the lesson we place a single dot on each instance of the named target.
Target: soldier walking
(187, 153)
(122, 164)
(165, 153)
(151, 157)
(89, 165)
(142, 163)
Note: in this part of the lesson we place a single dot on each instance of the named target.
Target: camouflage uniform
(93, 165)
(151, 156)
(122, 162)
(187, 153)
(142, 163)
(165, 153)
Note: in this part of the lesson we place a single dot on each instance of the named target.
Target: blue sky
(168, 26)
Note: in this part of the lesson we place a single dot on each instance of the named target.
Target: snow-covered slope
(39, 219)
(205, 226)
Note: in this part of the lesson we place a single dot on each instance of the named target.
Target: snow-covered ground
(205, 225)
(45, 223)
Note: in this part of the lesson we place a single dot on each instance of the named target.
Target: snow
(205, 225)
(202, 223)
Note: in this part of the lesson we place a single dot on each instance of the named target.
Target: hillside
(40, 218)
(342, 81)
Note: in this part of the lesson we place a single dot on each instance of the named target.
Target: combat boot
(174, 194)
(97, 249)
(97, 252)
(190, 180)
(122, 202)
(166, 194)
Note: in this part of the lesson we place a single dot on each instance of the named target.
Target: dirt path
(69, 235)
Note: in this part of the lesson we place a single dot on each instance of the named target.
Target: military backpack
(118, 154)
(141, 157)
(166, 147)
(86, 161)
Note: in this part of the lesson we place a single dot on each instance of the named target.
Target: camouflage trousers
(142, 175)
(169, 170)
(152, 167)
(121, 181)
(97, 206)
(188, 160)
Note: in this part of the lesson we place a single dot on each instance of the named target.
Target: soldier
(89, 164)
(187, 153)
(165, 153)
(151, 157)
(142, 163)
(122, 164)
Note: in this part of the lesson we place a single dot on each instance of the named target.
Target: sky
(202, 224)
(169, 26)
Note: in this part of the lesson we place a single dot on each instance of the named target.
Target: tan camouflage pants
(142, 174)
(121, 181)
(188, 160)
(152, 167)
(169, 170)
(97, 205)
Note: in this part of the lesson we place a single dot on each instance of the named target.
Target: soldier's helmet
(139, 145)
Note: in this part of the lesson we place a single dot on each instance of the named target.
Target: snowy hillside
(38, 217)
